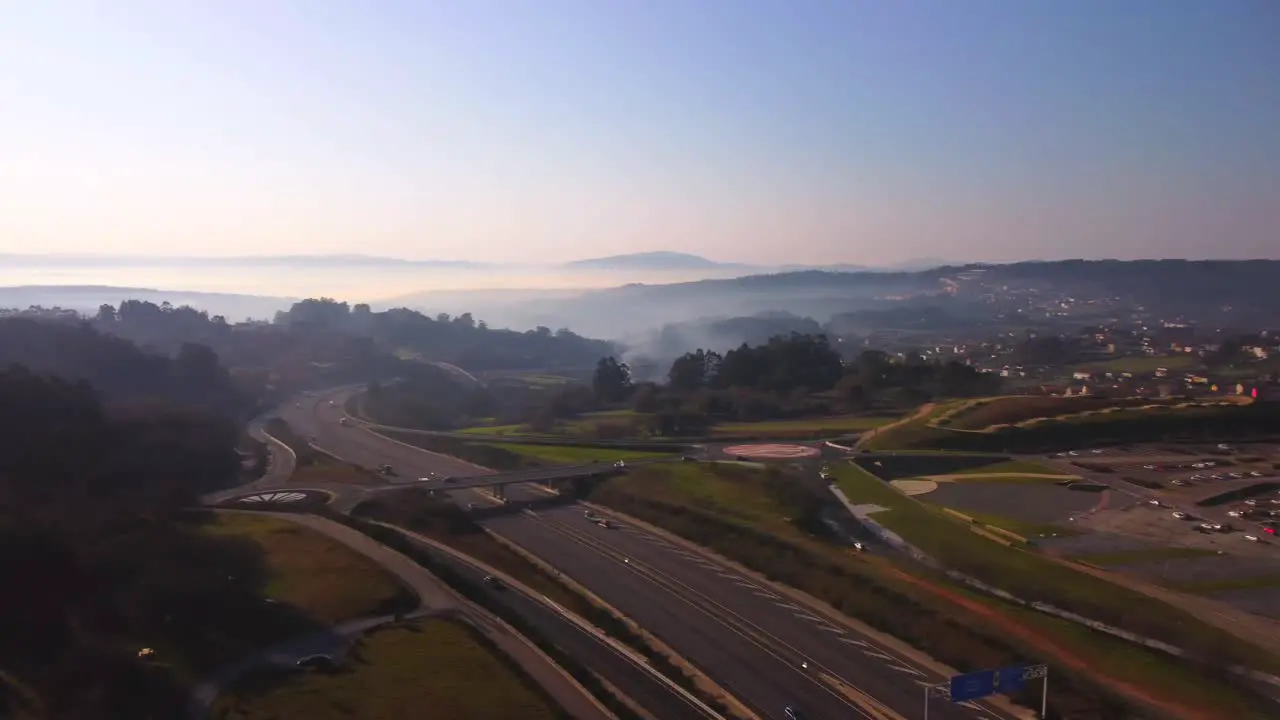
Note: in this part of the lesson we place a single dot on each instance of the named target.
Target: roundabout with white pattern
(281, 497)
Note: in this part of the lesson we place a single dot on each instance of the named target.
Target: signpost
(980, 684)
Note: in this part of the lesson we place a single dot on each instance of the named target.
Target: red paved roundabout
(771, 451)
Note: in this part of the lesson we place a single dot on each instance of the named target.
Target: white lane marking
(831, 629)
(787, 605)
(764, 594)
(972, 706)
(909, 671)
(877, 654)
(729, 576)
(852, 641)
(811, 618)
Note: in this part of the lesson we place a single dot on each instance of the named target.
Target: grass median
(434, 668)
(751, 517)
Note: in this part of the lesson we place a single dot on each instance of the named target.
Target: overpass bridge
(550, 478)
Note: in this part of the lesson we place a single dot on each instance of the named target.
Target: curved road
(745, 636)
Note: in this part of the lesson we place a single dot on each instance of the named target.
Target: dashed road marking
(909, 671)
(810, 618)
(853, 641)
(831, 629)
(877, 654)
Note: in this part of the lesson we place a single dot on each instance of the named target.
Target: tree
(612, 380)
(694, 370)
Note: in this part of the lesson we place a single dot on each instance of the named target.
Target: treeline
(460, 340)
(791, 376)
(99, 556)
(122, 373)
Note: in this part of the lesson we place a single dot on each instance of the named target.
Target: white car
(1154, 502)
(859, 547)
(1223, 446)
(1235, 513)
(619, 464)
(1251, 538)
(1255, 473)
(1198, 466)
(1073, 453)
(1148, 467)
(1180, 515)
(1251, 503)
(1237, 476)
(1176, 482)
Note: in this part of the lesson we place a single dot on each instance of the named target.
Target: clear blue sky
(806, 131)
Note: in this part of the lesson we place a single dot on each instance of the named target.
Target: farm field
(1142, 364)
(610, 423)
(397, 672)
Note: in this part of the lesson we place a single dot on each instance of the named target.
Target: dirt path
(1045, 647)
(923, 411)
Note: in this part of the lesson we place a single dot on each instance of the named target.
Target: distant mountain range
(676, 261)
(659, 261)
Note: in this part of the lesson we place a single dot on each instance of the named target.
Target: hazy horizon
(767, 133)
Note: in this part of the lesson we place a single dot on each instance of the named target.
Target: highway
(744, 636)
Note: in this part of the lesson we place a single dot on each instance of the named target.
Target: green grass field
(326, 581)
(803, 426)
(1019, 527)
(1142, 364)
(1134, 557)
(575, 455)
(436, 669)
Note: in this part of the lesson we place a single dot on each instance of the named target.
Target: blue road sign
(974, 685)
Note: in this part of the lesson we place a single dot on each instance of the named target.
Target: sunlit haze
(548, 131)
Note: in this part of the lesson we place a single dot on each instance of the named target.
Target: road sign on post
(976, 685)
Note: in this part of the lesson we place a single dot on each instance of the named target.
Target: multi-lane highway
(747, 637)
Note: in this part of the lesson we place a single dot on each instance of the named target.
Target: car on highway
(1149, 467)
(1154, 502)
(493, 582)
(620, 464)
(1251, 503)
(793, 713)
(604, 523)
(859, 547)
(1180, 515)
(1235, 514)
(386, 469)
(1255, 473)
(345, 422)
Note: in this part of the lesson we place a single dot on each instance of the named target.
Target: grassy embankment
(444, 522)
(312, 582)
(758, 521)
(516, 456)
(1169, 421)
(433, 668)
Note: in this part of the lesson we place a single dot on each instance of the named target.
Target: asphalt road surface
(637, 684)
(745, 638)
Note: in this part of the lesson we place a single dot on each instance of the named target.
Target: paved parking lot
(1027, 503)
(1261, 601)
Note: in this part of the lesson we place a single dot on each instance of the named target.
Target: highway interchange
(745, 635)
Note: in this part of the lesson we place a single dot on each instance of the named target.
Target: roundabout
(280, 497)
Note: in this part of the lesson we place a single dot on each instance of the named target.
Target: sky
(770, 131)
